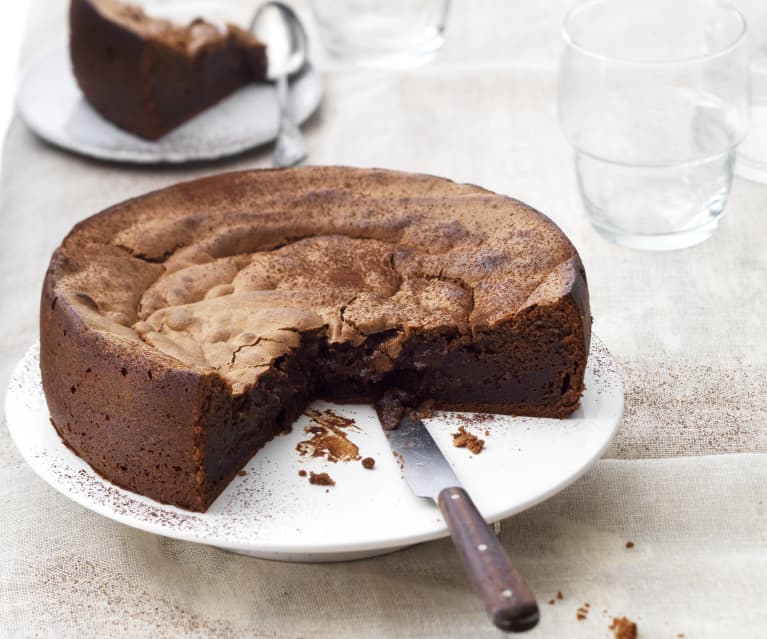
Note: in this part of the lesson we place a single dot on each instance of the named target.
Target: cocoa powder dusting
(623, 628)
(321, 479)
(328, 437)
(465, 439)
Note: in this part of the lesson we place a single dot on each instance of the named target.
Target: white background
(13, 16)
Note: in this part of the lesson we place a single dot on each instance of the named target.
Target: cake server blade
(509, 602)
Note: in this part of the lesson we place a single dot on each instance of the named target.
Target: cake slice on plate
(148, 75)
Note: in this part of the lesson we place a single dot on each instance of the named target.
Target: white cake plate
(273, 513)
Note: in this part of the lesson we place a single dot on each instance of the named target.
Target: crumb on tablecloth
(369, 463)
(623, 628)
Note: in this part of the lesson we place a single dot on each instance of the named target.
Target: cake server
(509, 602)
(280, 29)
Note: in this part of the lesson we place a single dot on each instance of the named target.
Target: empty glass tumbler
(752, 154)
(395, 33)
(654, 98)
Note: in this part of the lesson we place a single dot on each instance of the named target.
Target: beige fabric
(687, 327)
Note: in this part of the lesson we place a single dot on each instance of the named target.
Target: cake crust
(183, 329)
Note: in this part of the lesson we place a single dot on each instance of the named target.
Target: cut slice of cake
(182, 330)
(147, 75)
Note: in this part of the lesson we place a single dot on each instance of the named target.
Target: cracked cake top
(227, 273)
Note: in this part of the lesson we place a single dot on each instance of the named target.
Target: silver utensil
(507, 599)
(280, 29)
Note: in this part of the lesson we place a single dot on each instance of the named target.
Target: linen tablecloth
(685, 480)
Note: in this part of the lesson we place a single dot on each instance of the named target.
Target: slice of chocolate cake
(183, 329)
(147, 75)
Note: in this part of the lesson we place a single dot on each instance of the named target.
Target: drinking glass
(394, 33)
(654, 99)
(752, 154)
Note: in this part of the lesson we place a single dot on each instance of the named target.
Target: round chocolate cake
(182, 330)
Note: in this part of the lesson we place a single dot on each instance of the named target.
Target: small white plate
(273, 513)
(51, 103)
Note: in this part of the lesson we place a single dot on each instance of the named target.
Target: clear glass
(394, 33)
(752, 153)
(654, 98)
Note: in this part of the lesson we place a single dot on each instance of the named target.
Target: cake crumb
(321, 479)
(560, 595)
(680, 635)
(426, 409)
(629, 544)
(551, 602)
(242, 473)
(328, 437)
(464, 439)
(369, 463)
(302, 473)
(583, 612)
(623, 628)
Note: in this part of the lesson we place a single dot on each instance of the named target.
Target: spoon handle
(509, 602)
(290, 148)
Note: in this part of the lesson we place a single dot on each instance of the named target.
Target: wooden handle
(508, 600)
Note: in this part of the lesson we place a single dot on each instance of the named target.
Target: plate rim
(276, 550)
(53, 136)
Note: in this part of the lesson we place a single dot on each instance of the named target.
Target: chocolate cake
(183, 329)
(147, 75)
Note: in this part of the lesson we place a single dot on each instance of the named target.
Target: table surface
(685, 480)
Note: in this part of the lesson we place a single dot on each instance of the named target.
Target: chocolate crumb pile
(464, 439)
(623, 628)
(328, 437)
(321, 479)
(369, 463)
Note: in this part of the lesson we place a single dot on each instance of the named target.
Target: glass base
(659, 242)
(381, 59)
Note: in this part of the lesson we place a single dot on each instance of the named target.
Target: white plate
(273, 513)
(51, 103)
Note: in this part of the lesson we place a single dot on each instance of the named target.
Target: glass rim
(572, 42)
